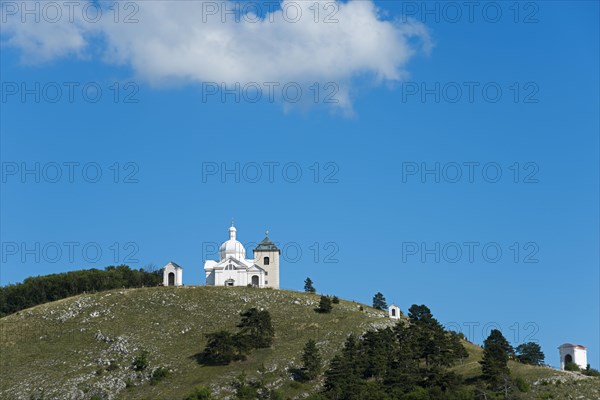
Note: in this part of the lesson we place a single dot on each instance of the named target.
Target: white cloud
(197, 41)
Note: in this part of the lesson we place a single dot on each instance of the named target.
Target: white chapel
(233, 269)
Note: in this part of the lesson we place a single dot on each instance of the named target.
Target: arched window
(266, 261)
(393, 312)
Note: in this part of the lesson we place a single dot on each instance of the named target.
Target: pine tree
(324, 305)
(379, 301)
(221, 349)
(311, 360)
(256, 328)
(308, 286)
(494, 365)
(530, 353)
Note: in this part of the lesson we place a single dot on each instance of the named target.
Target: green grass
(53, 346)
(51, 351)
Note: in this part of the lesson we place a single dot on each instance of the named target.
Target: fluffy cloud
(202, 41)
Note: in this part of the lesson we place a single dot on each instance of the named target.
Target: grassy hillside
(84, 346)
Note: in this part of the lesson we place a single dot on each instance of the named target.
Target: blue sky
(378, 223)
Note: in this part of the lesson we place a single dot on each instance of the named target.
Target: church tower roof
(266, 245)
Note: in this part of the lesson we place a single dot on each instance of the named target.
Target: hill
(83, 347)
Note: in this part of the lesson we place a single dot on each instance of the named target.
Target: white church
(232, 268)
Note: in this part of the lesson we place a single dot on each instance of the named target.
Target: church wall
(578, 355)
(178, 275)
(240, 279)
(272, 269)
(580, 358)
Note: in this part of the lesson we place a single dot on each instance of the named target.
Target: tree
(222, 348)
(494, 365)
(530, 353)
(419, 313)
(379, 301)
(308, 286)
(335, 300)
(256, 328)
(311, 360)
(324, 305)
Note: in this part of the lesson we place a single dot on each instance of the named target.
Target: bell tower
(266, 256)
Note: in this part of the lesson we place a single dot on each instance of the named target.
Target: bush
(571, 366)
(199, 393)
(158, 375)
(522, 385)
(335, 300)
(591, 371)
(140, 362)
(112, 366)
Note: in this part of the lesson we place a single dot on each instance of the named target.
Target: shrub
(335, 300)
(200, 393)
(591, 371)
(140, 362)
(522, 385)
(571, 366)
(158, 375)
(112, 366)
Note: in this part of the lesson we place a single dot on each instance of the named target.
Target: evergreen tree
(379, 350)
(311, 360)
(324, 305)
(419, 313)
(494, 365)
(256, 329)
(221, 349)
(379, 301)
(530, 353)
(342, 377)
(308, 286)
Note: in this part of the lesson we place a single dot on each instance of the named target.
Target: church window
(393, 312)
(266, 261)
(266, 273)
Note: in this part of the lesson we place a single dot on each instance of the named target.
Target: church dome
(232, 248)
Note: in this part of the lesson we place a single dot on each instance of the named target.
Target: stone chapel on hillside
(572, 353)
(233, 269)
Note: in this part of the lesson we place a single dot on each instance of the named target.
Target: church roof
(175, 265)
(266, 245)
(572, 345)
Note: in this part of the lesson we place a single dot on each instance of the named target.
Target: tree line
(47, 288)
